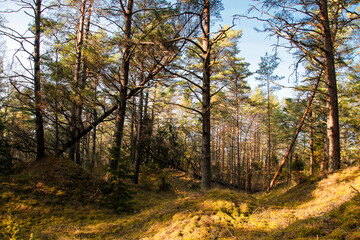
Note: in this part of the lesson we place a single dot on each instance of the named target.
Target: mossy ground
(58, 200)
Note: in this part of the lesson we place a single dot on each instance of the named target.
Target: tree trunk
(76, 118)
(124, 79)
(139, 140)
(205, 153)
(56, 144)
(93, 152)
(325, 160)
(269, 133)
(237, 119)
(289, 164)
(249, 162)
(84, 76)
(215, 152)
(312, 157)
(88, 136)
(223, 170)
(132, 131)
(151, 125)
(231, 158)
(39, 125)
(333, 130)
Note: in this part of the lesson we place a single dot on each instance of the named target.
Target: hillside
(58, 200)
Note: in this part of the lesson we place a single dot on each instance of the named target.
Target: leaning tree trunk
(289, 150)
(39, 125)
(333, 130)
(124, 79)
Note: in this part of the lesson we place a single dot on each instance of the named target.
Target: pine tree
(265, 73)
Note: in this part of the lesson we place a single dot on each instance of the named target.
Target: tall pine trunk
(94, 136)
(39, 125)
(333, 130)
(205, 148)
(268, 163)
(57, 133)
(249, 160)
(74, 153)
(124, 80)
(312, 133)
(237, 119)
(139, 140)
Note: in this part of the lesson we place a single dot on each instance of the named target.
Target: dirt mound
(60, 178)
(45, 199)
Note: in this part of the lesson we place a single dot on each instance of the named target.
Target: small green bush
(116, 192)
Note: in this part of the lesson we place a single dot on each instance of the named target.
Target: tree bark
(93, 152)
(205, 153)
(222, 152)
(39, 125)
(333, 130)
(269, 132)
(139, 140)
(56, 100)
(124, 79)
(230, 157)
(76, 118)
(325, 160)
(249, 161)
(84, 77)
(237, 119)
(312, 157)
(132, 130)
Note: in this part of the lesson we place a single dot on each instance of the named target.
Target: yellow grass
(326, 209)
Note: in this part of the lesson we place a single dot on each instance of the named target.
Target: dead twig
(358, 192)
(230, 232)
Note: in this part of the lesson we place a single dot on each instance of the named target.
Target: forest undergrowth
(56, 199)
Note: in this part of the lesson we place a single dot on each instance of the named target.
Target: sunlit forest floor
(58, 200)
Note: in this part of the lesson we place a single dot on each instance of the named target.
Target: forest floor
(58, 200)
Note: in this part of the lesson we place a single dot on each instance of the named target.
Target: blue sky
(254, 45)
